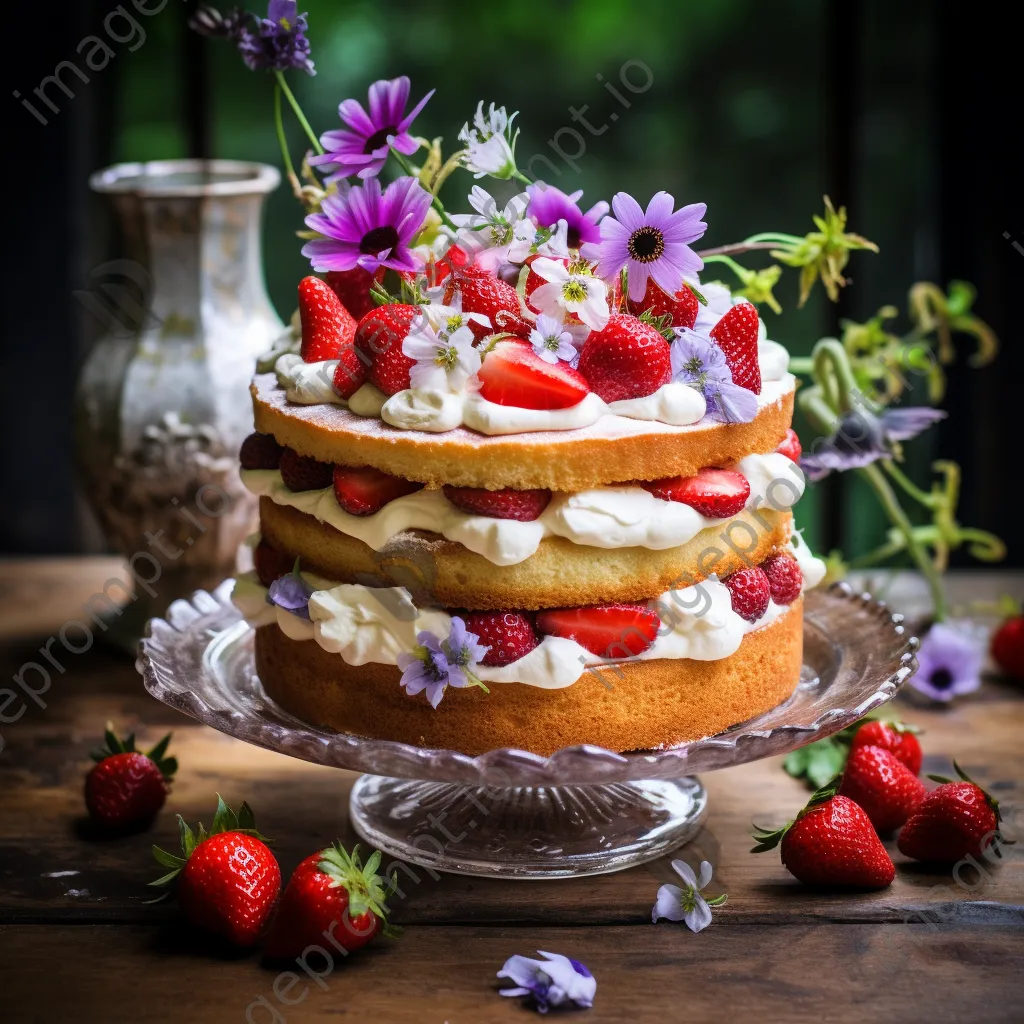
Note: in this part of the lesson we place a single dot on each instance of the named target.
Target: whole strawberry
(329, 894)
(1008, 646)
(955, 821)
(228, 879)
(126, 788)
(882, 785)
(486, 295)
(831, 843)
(627, 359)
(378, 342)
(896, 737)
(682, 308)
(353, 289)
(327, 326)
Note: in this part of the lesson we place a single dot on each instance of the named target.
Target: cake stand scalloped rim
(181, 662)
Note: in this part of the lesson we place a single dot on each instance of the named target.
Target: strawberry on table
(327, 326)
(627, 359)
(790, 445)
(509, 635)
(378, 342)
(716, 493)
(607, 630)
(303, 472)
(682, 307)
(126, 788)
(896, 737)
(830, 843)
(785, 578)
(957, 820)
(1008, 646)
(260, 451)
(329, 895)
(750, 592)
(513, 374)
(227, 879)
(736, 336)
(365, 490)
(886, 789)
(525, 506)
(353, 289)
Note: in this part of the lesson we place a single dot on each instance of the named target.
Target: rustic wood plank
(644, 973)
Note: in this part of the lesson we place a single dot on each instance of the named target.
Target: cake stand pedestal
(583, 810)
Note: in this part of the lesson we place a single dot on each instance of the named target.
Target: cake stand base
(526, 831)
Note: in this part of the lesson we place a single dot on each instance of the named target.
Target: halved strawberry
(327, 326)
(353, 289)
(716, 493)
(378, 342)
(607, 630)
(504, 504)
(736, 336)
(483, 293)
(790, 446)
(628, 359)
(365, 490)
(509, 635)
(681, 307)
(513, 374)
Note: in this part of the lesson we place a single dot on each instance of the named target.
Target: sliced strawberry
(509, 635)
(270, 563)
(513, 374)
(607, 630)
(736, 335)
(327, 326)
(303, 472)
(260, 451)
(378, 342)
(790, 446)
(716, 493)
(681, 307)
(750, 592)
(628, 359)
(785, 580)
(365, 490)
(504, 504)
(482, 293)
(353, 289)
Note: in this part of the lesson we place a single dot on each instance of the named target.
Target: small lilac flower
(554, 981)
(699, 362)
(551, 341)
(686, 904)
(862, 438)
(435, 664)
(444, 362)
(363, 151)
(292, 593)
(364, 228)
(949, 662)
(571, 288)
(652, 244)
(549, 205)
(275, 43)
(490, 143)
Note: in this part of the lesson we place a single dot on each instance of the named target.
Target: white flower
(686, 904)
(444, 362)
(447, 318)
(494, 235)
(571, 288)
(557, 245)
(490, 143)
(551, 341)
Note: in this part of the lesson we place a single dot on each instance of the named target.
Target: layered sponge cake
(521, 505)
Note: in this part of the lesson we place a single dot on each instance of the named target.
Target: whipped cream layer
(603, 517)
(365, 624)
(437, 412)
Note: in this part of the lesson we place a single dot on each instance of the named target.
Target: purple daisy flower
(277, 42)
(436, 664)
(364, 228)
(699, 362)
(363, 151)
(948, 663)
(862, 438)
(549, 205)
(554, 981)
(292, 593)
(652, 244)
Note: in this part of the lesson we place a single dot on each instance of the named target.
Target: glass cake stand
(582, 811)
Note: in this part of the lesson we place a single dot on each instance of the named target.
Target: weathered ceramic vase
(163, 399)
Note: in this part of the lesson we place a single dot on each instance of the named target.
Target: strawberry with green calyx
(227, 879)
(331, 899)
(126, 788)
(830, 843)
(957, 820)
(882, 785)
(898, 738)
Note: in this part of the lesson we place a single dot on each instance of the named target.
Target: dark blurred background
(906, 111)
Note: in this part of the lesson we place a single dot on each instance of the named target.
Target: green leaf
(166, 879)
(246, 818)
(168, 860)
(818, 762)
(717, 901)
(188, 839)
(168, 766)
(224, 820)
(157, 753)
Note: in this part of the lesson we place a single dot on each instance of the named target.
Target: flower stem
(298, 112)
(519, 176)
(735, 249)
(728, 261)
(285, 155)
(435, 202)
(926, 499)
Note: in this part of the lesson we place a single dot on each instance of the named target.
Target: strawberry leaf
(168, 860)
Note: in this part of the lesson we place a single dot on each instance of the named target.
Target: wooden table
(78, 943)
